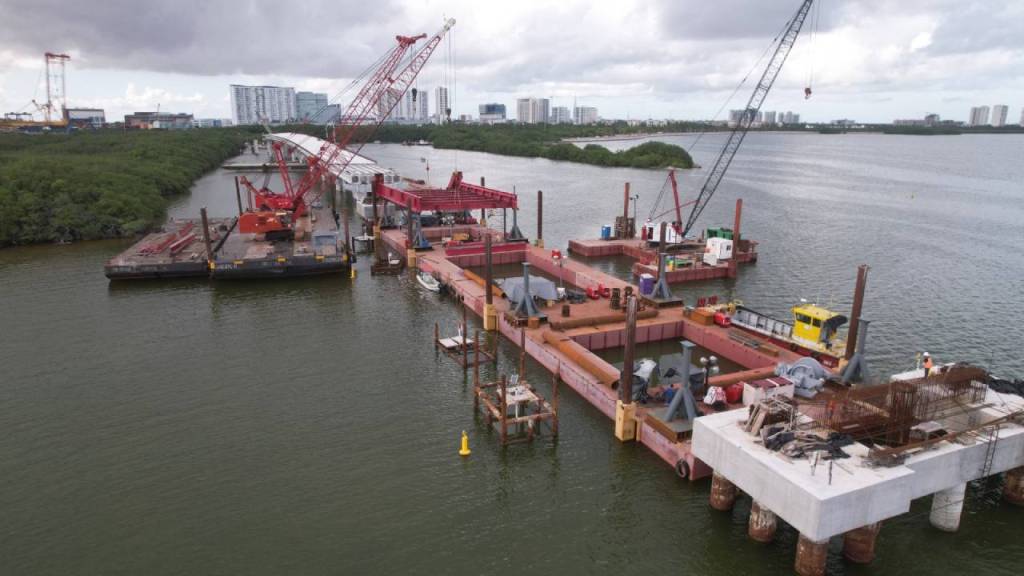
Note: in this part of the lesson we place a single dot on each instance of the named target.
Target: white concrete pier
(820, 503)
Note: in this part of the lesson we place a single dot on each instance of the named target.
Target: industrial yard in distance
(463, 291)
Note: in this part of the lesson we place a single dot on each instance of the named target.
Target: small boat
(428, 282)
(813, 331)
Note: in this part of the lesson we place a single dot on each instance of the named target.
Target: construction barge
(923, 433)
(186, 248)
(565, 345)
(717, 253)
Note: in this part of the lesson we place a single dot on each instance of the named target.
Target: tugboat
(813, 332)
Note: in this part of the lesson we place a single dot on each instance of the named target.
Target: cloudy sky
(870, 60)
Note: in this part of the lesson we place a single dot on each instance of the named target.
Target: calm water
(306, 427)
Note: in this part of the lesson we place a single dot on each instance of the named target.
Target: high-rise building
(407, 108)
(523, 110)
(442, 106)
(756, 120)
(533, 110)
(541, 110)
(561, 115)
(999, 112)
(254, 104)
(492, 113)
(329, 114)
(1022, 116)
(585, 115)
(308, 105)
(424, 107)
(979, 116)
(389, 107)
(769, 118)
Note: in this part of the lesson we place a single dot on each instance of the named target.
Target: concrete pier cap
(850, 494)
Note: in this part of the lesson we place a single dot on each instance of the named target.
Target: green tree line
(101, 184)
(536, 141)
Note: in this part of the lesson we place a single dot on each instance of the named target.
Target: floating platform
(647, 257)
(176, 251)
(314, 250)
(179, 251)
(570, 354)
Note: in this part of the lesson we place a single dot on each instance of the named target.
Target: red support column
(723, 493)
(859, 544)
(762, 524)
(811, 557)
(1013, 490)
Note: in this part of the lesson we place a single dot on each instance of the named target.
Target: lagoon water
(307, 427)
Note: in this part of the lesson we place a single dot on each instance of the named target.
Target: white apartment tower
(999, 112)
(979, 116)
(533, 110)
(253, 104)
(424, 107)
(560, 115)
(585, 115)
(442, 106)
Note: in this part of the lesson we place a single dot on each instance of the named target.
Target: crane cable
(661, 198)
(746, 77)
(450, 82)
(812, 45)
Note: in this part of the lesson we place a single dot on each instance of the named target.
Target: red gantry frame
(459, 196)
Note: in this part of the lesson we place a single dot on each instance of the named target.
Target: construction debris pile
(776, 422)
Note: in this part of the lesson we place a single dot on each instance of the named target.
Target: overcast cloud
(870, 59)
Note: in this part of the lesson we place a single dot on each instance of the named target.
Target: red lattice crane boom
(390, 78)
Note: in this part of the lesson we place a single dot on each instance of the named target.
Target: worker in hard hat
(927, 364)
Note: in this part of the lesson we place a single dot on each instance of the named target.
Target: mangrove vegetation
(103, 184)
(534, 141)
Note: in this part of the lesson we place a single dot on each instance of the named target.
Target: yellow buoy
(464, 450)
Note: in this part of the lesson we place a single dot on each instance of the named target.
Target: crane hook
(807, 93)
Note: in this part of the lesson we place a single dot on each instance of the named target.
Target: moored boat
(428, 282)
(813, 332)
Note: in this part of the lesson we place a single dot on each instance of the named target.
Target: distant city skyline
(671, 59)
